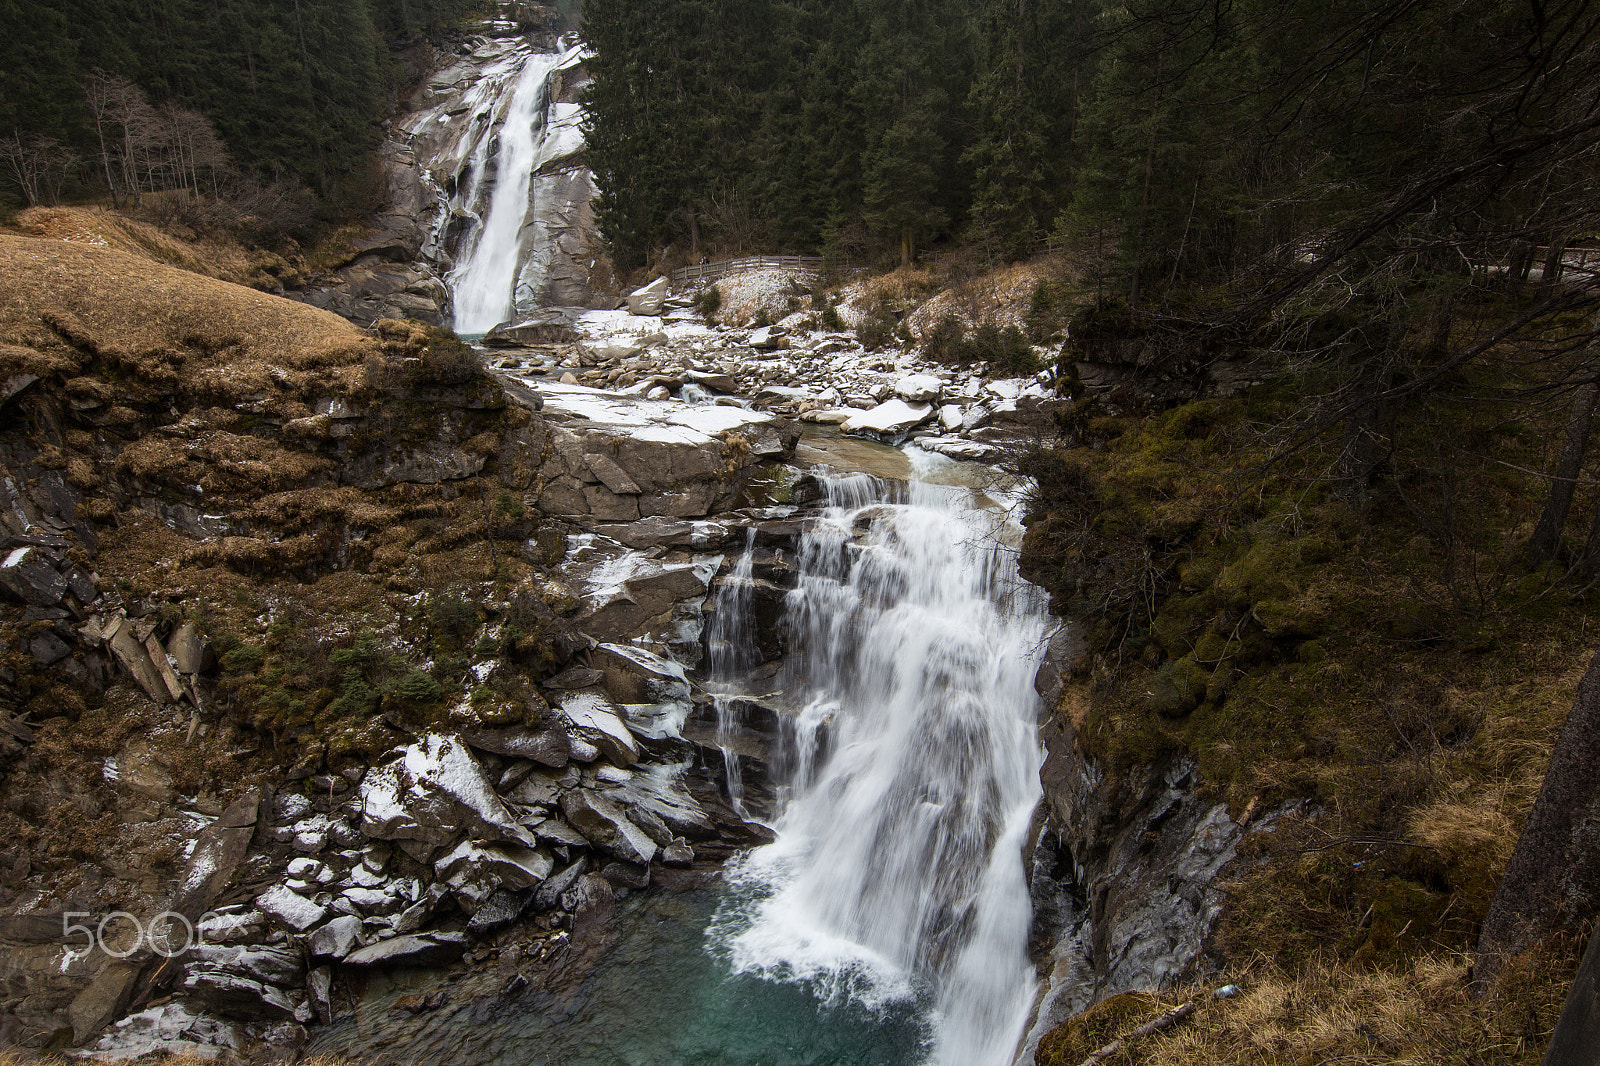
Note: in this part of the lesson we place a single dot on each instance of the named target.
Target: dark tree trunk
(1576, 1041)
(1553, 879)
(1547, 534)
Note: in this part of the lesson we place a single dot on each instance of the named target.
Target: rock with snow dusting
(607, 828)
(337, 939)
(648, 299)
(918, 388)
(547, 747)
(956, 448)
(238, 997)
(431, 792)
(29, 573)
(950, 418)
(770, 338)
(891, 418)
(290, 908)
(268, 965)
(475, 871)
(597, 720)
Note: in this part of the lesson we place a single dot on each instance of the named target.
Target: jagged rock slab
(890, 418)
(607, 828)
(418, 949)
(337, 939)
(432, 791)
(29, 574)
(290, 908)
(547, 747)
(647, 300)
(597, 720)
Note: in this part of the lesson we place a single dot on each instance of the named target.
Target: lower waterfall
(887, 925)
(897, 874)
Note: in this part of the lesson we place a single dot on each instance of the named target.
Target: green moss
(1178, 687)
(1289, 620)
(242, 658)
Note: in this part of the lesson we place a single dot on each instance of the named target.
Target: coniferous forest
(1184, 142)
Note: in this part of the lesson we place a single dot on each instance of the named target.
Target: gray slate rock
(336, 939)
(419, 949)
(30, 575)
(607, 828)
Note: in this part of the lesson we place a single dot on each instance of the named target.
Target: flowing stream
(887, 925)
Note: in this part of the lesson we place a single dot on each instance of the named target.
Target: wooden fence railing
(705, 272)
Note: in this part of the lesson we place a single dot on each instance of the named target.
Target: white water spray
(897, 873)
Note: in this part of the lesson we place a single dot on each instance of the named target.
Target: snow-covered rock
(597, 720)
(890, 418)
(435, 789)
(607, 828)
(290, 908)
(918, 388)
(648, 299)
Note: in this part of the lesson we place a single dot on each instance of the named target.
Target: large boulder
(648, 300)
(596, 719)
(476, 871)
(653, 691)
(892, 418)
(29, 573)
(418, 949)
(607, 828)
(918, 388)
(545, 746)
(435, 789)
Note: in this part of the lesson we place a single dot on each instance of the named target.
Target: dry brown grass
(168, 328)
(226, 260)
(1000, 297)
(1324, 1013)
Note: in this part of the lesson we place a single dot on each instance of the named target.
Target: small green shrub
(417, 687)
(943, 343)
(453, 616)
(709, 302)
(242, 658)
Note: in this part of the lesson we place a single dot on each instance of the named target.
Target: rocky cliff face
(291, 651)
(1124, 871)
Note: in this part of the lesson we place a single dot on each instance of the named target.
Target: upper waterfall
(500, 147)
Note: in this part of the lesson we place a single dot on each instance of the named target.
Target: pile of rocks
(664, 352)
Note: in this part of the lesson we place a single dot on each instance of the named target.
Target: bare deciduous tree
(39, 166)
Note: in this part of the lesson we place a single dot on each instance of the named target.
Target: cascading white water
(510, 146)
(730, 655)
(897, 872)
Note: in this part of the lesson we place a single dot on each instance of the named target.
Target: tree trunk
(1553, 879)
(1577, 1035)
(1553, 263)
(1547, 534)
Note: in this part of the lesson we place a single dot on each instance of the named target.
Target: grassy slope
(1393, 662)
